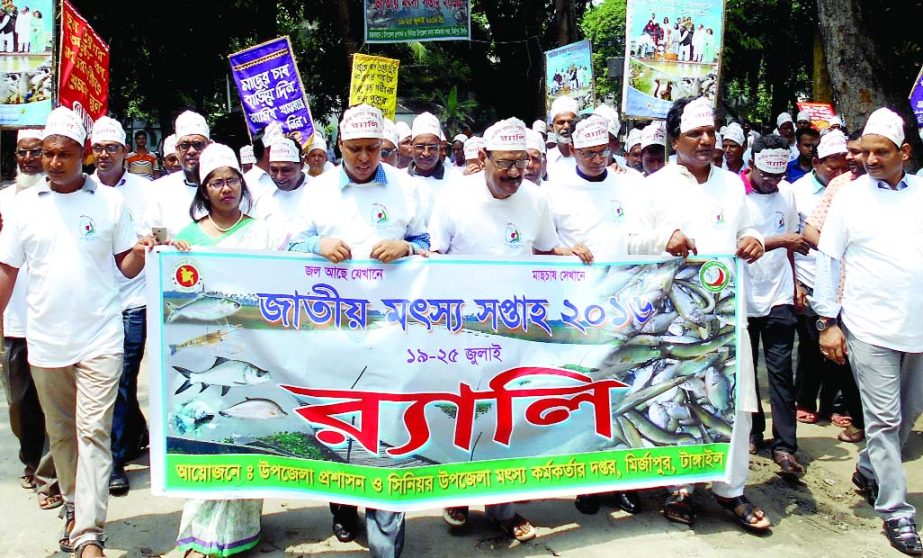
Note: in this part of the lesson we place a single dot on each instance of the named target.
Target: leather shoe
(866, 486)
(902, 534)
(118, 482)
(587, 503)
(346, 525)
(788, 464)
(627, 502)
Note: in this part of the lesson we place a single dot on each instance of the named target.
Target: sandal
(746, 513)
(455, 517)
(851, 435)
(805, 416)
(902, 534)
(841, 420)
(64, 537)
(27, 482)
(47, 502)
(678, 508)
(78, 552)
(518, 528)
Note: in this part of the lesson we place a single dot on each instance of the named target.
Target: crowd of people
(825, 222)
(682, 41)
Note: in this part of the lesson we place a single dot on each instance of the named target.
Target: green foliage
(604, 26)
(455, 115)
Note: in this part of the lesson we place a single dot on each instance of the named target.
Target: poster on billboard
(26, 70)
(569, 72)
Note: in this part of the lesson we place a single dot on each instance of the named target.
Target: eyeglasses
(424, 147)
(219, 184)
(35, 153)
(198, 145)
(604, 154)
(387, 153)
(507, 164)
(111, 148)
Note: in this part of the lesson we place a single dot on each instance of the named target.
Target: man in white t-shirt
(257, 178)
(404, 145)
(174, 192)
(129, 428)
(68, 231)
(536, 170)
(27, 422)
(653, 147)
(364, 210)
(247, 158)
(770, 298)
(614, 125)
(694, 207)
(563, 114)
(427, 169)
(496, 213)
(281, 207)
(874, 225)
(593, 210)
(633, 150)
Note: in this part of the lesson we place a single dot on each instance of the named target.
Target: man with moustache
(535, 171)
(405, 144)
(561, 156)
(281, 207)
(427, 168)
(171, 162)
(27, 422)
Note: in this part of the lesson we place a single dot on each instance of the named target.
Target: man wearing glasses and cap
(426, 167)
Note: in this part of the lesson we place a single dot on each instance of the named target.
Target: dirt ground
(817, 517)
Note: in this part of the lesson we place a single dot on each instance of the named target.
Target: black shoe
(118, 482)
(866, 486)
(140, 447)
(346, 525)
(902, 534)
(587, 503)
(627, 501)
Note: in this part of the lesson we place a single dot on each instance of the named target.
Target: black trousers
(777, 331)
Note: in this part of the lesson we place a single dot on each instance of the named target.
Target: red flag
(84, 73)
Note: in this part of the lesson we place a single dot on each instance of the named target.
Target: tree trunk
(564, 17)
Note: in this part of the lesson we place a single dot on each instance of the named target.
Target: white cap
(591, 131)
(634, 138)
(215, 156)
(362, 122)
(319, 143)
(403, 131)
(697, 114)
(506, 135)
(540, 126)
(108, 129)
(782, 119)
(169, 145)
(30, 133)
(272, 133)
(835, 121)
(472, 147)
(885, 122)
(719, 140)
(735, 133)
(612, 116)
(390, 132)
(246, 155)
(62, 121)
(552, 137)
(803, 115)
(534, 140)
(460, 137)
(564, 105)
(832, 143)
(654, 133)
(772, 161)
(426, 123)
(191, 124)
(284, 152)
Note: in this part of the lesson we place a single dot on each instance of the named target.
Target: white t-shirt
(14, 317)
(362, 215)
(771, 282)
(138, 193)
(258, 182)
(173, 197)
(283, 210)
(597, 214)
(68, 241)
(559, 165)
(807, 191)
(469, 220)
(879, 232)
(431, 188)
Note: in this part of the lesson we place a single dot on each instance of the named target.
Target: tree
(604, 26)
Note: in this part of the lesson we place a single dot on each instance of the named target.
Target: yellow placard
(374, 82)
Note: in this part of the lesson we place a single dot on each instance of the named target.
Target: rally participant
(874, 225)
(405, 151)
(174, 192)
(476, 220)
(221, 527)
(27, 422)
(389, 144)
(633, 150)
(258, 179)
(653, 147)
(458, 152)
(803, 120)
(734, 145)
(835, 123)
(542, 128)
(535, 171)
(813, 374)
(171, 162)
(68, 230)
(561, 156)
(426, 167)
(473, 148)
(770, 297)
(786, 128)
(364, 210)
(315, 158)
(141, 161)
(282, 207)
(692, 206)
(129, 428)
(806, 143)
(247, 158)
(718, 158)
(612, 117)
(551, 141)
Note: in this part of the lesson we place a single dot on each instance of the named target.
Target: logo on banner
(379, 214)
(714, 276)
(186, 275)
(87, 227)
(513, 236)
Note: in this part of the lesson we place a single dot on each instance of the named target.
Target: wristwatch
(823, 323)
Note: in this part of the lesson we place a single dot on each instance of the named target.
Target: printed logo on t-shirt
(513, 236)
(379, 214)
(618, 212)
(718, 216)
(778, 219)
(87, 227)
